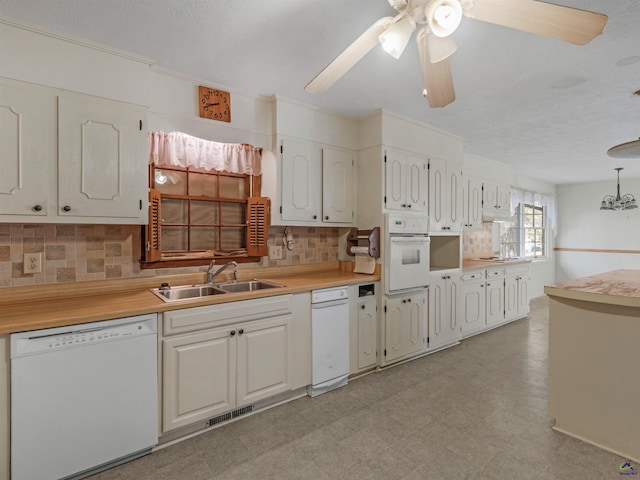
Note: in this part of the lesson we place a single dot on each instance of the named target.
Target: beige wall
(76, 253)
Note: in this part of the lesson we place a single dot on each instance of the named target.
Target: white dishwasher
(329, 339)
(83, 397)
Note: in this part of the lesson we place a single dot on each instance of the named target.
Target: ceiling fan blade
(437, 78)
(347, 59)
(569, 24)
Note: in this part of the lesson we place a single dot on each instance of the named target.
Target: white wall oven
(407, 253)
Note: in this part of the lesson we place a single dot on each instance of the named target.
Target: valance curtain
(548, 202)
(182, 150)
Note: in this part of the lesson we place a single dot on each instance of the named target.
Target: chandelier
(617, 202)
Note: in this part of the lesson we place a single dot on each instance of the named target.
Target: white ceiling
(547, 108)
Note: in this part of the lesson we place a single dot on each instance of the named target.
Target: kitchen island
(594, 355)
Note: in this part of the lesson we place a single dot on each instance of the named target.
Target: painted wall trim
(594, 250)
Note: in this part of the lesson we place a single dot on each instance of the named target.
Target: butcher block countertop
(469, 264)
(47, 306)
(620, 287)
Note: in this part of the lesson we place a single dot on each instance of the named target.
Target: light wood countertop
(47, 306)
(620, 287)
(482, 264)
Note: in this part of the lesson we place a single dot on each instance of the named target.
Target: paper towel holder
(369, 238)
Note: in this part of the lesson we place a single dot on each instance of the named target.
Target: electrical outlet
(275, 252)
(32, 263)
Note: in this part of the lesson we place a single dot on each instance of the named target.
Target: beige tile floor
(475, 411)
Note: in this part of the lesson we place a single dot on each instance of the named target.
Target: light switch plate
(275, 252)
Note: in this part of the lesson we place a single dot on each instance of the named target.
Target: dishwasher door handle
(332, 303)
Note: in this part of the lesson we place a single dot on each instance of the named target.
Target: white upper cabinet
(496, 198)
(406, 181)
(301, 181)
(472, 204)
(317, 184)
(337, 185)
(27, 148)
(102, 159)
(69, 157)
(445, 196)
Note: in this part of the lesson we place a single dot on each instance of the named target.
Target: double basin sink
(184, 292)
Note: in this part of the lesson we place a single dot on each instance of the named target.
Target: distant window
(526, 237)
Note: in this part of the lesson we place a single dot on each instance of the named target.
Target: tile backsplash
(76, 253)
(479, 244)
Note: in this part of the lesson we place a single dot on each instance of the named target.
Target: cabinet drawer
(495, 272)
(473, 276)
(199, 318)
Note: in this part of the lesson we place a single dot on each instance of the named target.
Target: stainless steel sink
(247, 285)
(172, 294)
(185, 292)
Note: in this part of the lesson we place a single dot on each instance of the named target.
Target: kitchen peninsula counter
(47, 306)
(594, 355)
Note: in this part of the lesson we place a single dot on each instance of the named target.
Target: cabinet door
(414, 323)
(472, 202)
(337, 186)
(263, 359)
(394, 328)
(367, 327)
(27, 148)
(406, 181)
(301, 179)
(489, 195)
(416, 183)
(503, 198)
(496, 301)
(453, 202)
(472, 309)
(199, 377)
(102, 159)
(523, 295)
(437, 194)
(443, 311)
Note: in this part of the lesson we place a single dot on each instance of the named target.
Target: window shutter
(153, 245)
(257, 226)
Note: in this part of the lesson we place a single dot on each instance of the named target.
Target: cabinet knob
(408, 300)
(326, 217)
(482, 286)
(408, 205)
(241, 331)
(315, 217)
(37, 208)
(233, 332)
(362, 306)
(66, 208)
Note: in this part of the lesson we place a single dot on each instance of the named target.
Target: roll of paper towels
(364, 263)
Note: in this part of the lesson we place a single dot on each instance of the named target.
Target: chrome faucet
(211, 276)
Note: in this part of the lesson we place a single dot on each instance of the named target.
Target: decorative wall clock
(214, 104)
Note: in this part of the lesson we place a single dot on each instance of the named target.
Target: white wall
(581, 224)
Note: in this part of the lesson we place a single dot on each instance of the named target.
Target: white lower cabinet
(495, 296)
(443, 308)
(223, 357)
(472, 303)
(363, 327)
(516, 292)
(405, 318)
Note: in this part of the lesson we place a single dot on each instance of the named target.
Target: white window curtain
(182, 150)
(548, 202)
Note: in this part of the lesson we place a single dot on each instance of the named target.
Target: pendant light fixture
(627, 149)
(617, 202)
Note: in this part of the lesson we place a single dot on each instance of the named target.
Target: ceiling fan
(439, 19)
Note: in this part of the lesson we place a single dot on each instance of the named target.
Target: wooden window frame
(256, 223)
(519, 231)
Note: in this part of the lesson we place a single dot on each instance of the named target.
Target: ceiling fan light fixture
(441, 48)
(443, 16)
(395, 38)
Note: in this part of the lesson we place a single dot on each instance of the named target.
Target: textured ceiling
(547, 108)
